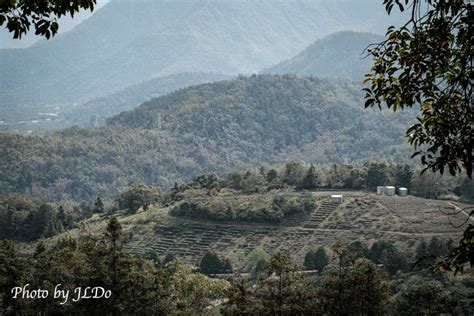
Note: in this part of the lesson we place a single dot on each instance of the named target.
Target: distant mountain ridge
(94, 112)
(126, 42)
(215, 127)
(132, 96)
(337, 56)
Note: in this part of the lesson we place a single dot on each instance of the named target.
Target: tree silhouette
(428, 63)
(19, 15)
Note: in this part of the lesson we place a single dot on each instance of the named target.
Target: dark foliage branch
(428, 63)
(19, 15)
(462, 254)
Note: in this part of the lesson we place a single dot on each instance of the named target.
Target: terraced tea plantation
(362, 216)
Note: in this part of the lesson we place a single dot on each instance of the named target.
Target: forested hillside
(228, 125)
(131, 97)
(94, 112)
(337, 56)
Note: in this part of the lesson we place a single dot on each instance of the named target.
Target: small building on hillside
(403, 191)
(337, 199)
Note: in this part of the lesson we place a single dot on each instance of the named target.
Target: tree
(378, 248)
(11, 267)
(272, 176)
(258, 269)
(193, 293)
(169, 258)
(420, 296)
(240, 297)
(377, 174)
(316, 260)
(360, 288)
(428, 63)
(255, 261)
(428, 185)
(210, 264)
(114, 234)
(227, 266)
(278, 291)
(119, 266)
(235, 181)
(385, 253)
(311, 180)
(467, 190)
(99, 205)
(309, 260)
(208, 181)
(153, 256)
(138, 196)
(359, 249)
(294, 173)
(61, 217)
(19, 15)
(427, 254)
(403, 176)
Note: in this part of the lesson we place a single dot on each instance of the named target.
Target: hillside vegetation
(273, 210)
(337, 56)
(228, 125)
(287, 196)
(38, 118)
(281, 227)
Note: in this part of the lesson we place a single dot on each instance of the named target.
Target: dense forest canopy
(228, 125)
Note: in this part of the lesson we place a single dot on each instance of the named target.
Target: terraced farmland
(362, 216)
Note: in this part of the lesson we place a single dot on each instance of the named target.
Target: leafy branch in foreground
(462, 254)
(19, 15)
(428, 63)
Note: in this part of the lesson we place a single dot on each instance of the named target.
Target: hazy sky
(66, 24)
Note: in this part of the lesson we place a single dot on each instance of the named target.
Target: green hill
(228, 125)
(337, 56)
(95, 111)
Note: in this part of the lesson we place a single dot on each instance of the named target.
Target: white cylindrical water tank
(389, 190)
(380, 190)
(403, 191)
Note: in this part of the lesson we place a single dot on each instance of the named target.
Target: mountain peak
(337, 56)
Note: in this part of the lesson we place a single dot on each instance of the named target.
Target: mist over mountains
(337, 56)
(126, 42)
